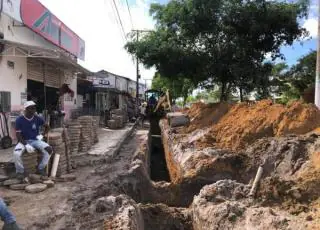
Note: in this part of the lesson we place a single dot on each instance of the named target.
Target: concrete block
(112, 124)
(178, 119)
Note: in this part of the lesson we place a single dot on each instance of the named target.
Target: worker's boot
(11, 226)
(43, 173)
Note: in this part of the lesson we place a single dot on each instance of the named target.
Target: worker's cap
(28, 104)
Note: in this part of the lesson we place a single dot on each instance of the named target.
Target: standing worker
(143, 107)
(27, 131)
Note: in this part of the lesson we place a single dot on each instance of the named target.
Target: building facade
(37, 59)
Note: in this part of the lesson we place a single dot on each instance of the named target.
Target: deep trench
(158, 164)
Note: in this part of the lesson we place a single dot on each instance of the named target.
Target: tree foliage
(178, 87)
(218, 42)
(299, 78)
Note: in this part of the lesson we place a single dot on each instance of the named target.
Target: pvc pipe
(55, 165)
(256, 181)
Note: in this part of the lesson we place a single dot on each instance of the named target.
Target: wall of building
(14, 80)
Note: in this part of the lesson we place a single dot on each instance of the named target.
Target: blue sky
(98, 24)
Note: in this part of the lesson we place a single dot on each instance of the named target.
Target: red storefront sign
(39, 19)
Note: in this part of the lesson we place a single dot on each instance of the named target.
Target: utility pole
(138, 76)
(317, 87)
(137, 68)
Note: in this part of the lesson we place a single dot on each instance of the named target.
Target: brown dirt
(205, 115)
(173, 168)
(244, 124)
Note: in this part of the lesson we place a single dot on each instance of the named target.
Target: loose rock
(35, 188)
(11, 182)
(3, 178)
(49, 183)
(18, 186)
(35, 179)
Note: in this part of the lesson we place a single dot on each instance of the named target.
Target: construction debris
(275, 159)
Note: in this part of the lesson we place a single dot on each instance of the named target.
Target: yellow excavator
(158, 103)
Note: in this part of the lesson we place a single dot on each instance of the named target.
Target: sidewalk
(110, 142)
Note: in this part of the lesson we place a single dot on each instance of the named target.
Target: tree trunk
(241, 94)
(185, 101)
(223, 92)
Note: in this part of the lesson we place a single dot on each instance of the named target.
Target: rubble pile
(86, 139)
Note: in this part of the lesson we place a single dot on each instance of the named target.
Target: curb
(92, 160)
(122, 141)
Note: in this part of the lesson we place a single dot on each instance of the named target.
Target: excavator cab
(152, 98)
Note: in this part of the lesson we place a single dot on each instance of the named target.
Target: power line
(114, 2)
(115, 17)
(129, 14)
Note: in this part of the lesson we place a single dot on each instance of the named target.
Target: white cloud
(97, 24)
(311, 25)
(268, 57)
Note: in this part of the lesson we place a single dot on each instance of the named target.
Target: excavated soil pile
(205, 115)
(244, 124)
(227, 201)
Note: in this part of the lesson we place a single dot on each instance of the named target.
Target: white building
(37, 56)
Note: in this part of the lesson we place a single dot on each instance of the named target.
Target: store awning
(16, 49)
(58, 56)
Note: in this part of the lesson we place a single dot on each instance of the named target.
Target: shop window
(5, 101)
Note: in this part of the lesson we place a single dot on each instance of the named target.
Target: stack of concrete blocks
(95, 125)
(74, 131)
(118, 119)
(59, 147)
(86, 139)
(30, 161)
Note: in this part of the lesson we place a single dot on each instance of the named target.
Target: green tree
(302, 75)
(218, 42)
(300, 78)
(178, 87)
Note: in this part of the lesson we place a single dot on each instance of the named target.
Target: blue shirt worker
(27, 131)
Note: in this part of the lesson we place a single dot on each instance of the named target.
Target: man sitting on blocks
(27, 131)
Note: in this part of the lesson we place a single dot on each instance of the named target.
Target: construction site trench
(200, 176)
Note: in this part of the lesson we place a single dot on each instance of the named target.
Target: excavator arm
(164, 101)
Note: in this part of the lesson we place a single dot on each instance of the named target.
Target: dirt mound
(205, 115)
(244, 124)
